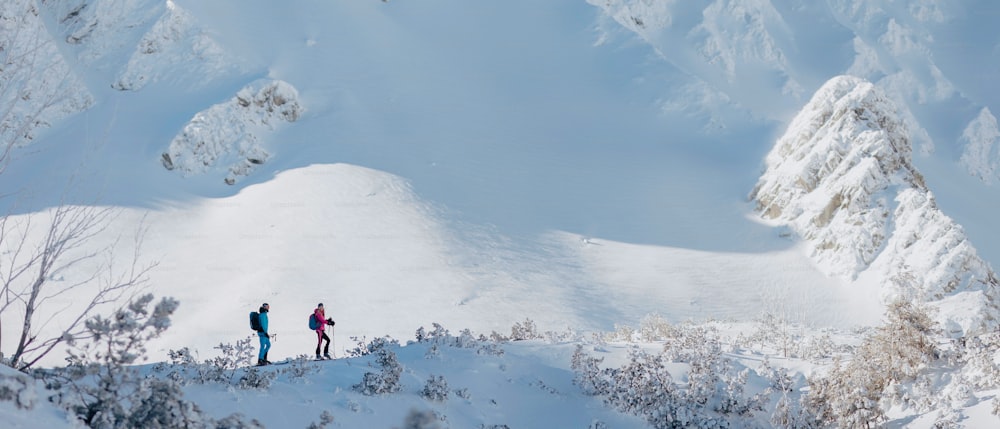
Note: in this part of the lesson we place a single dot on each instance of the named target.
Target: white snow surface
(581, 163)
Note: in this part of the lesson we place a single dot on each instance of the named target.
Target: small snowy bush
(423, 420)
(386, 380)
(524, 331)
(254, 378)
(300, 367)
(17, 388)
(711, 395)
(325, 419)
(436, 389)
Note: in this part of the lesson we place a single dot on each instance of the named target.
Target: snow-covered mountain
(843, 177)
(581, 163)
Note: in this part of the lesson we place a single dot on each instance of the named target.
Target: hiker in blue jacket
(265, 339)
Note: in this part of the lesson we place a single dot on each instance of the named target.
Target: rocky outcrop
(37, 86)
(842, 177)
(155, 38)
(227, 136)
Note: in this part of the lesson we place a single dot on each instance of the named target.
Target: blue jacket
(263, 321)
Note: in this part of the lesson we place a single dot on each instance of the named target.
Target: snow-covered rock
(228, 135)
(175, 47)
(981, 147)
(842, 177)
(37, 87)
(137, 42)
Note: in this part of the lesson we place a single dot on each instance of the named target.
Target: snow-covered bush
(18, 388)
(439, 332)
(325, 419)
(423, 420)
(300, 367)
(587, 373)
(160, 404)
(184, 367)
(364, 348)
(100, 379)
(435, 389)
(524, 331)
(712, 395)
(850, 395)
(387, 379)
(254, 378)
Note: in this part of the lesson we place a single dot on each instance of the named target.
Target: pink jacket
(321, 316)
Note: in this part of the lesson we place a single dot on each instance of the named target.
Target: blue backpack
(314, 323)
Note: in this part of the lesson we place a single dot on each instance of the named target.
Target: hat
(320, 304)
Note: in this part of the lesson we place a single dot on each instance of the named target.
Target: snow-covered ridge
(37, 86)
(842, 177)
(140, 41)
(735, 49)
(227, 135)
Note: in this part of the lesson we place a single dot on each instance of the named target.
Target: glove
(330, 322)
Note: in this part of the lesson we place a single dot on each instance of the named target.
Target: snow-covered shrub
(18, 388)
(160, 404)
(423, 420)
(774, 333)
(644, 387)
(254, 378)
(490, 349)
(463, 393)
(712, 395)
(818, 347)
(100, 377)
(432, 352)
(435, 389)
(325, 419)
(524, 331)
(236, 421)
(438, 332)
(363, 348)
(655, 328)
(497, 337)
(219, 369)
(299, 367)
(850, 395)
(387, 379)
(587, 373)
(466, 340)
(562, 337)
(621, 333)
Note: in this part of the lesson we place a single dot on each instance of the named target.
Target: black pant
(319, 341)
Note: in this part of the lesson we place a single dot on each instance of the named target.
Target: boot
(327, 356)
(261, 362)
(318, 357)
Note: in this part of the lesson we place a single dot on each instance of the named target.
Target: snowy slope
(592, 143)
(579, 163)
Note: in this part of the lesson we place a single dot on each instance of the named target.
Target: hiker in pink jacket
(321, 321)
